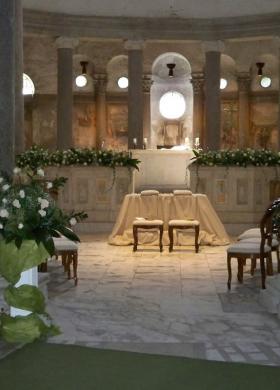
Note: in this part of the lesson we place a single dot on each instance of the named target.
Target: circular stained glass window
(172, 105)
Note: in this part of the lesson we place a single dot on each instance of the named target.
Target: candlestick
(187, 142)
(145, 142)
(196, 142)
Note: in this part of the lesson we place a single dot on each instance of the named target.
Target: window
(123, 82)
(172, 105)
(28, 87)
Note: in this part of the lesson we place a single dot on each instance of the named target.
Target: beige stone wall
(109, 57)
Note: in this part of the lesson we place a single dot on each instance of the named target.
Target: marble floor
(175, 304)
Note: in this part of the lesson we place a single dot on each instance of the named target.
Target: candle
(145, 141)
(134, 141)
(187, 141)
(196, 142)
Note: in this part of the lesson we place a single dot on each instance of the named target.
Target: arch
(117, 67)
(270, 69)
(77, 58)
(167, 132)
(228, 72)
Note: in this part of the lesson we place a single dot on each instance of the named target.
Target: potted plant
(29, 219)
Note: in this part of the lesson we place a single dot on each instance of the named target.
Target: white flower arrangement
(73, 221)
(22, 194)
(44, 204)
(42, 213)
(5, 187)
(4, 213)
(20, 226)
(16, 204)
(49, 185)
(40, 172)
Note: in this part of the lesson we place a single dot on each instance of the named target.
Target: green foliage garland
(237, 157)
(39, 157)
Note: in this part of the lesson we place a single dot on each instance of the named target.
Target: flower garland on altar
(37, 157)
(237, 157)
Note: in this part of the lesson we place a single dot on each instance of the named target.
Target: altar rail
(239, 195)
(99, 191)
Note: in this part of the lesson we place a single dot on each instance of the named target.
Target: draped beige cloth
(167, 207)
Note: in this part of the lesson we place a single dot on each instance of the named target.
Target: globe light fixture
(172, 105)
(81, 80)
(123, 82)
(28, 87)
(265, 82)
(223, 83)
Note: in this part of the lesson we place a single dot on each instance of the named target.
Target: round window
(172, 105)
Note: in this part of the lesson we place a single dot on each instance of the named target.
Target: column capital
(66, 43)
(217, 46)
(147, 82)
(197, 81)
(244, 81)
(100, 81)
(134, 44)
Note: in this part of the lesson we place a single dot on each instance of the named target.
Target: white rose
(39, 200)
(4, 200)
(22, 194)
(17, 170)
(16, 204)
(42, 213)
(4, 213)
(5, 187)
(1, 180)
(49, 185)
(73, 221)
(1, 226)
(44, 203)
(40, 172)
(20, 226)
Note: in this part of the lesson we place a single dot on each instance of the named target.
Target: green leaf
(25, 329)
(13, 260)
(25, 297)
(68, 233)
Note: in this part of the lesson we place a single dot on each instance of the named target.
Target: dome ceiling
(157, 8)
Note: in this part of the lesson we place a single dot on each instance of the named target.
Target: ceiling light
(123, 82)
(81, 80)
(223, 83)
(260, 66)
(265, 82)
(171, 69)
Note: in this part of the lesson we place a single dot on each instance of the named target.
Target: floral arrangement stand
(29, 219)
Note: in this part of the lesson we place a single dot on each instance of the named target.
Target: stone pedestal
(65, 48)
(100, 81)
(135, 93)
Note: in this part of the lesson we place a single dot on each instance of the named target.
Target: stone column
(198, 107)
(135, 92)
(147, 83)
(8, 22)
(100, 82)
(212, 94)
(19, 99)
(244, 82)
(65, 47)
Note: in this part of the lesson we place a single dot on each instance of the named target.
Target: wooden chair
(254, 250)
(182, 224)
(143, 224)
(68, 250)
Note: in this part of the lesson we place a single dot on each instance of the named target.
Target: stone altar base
(238, 195)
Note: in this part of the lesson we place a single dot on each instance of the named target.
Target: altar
(163, 169)
(166, 207)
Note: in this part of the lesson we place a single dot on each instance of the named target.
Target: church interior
(153, 130)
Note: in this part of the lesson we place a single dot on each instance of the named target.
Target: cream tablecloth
(166, 207)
